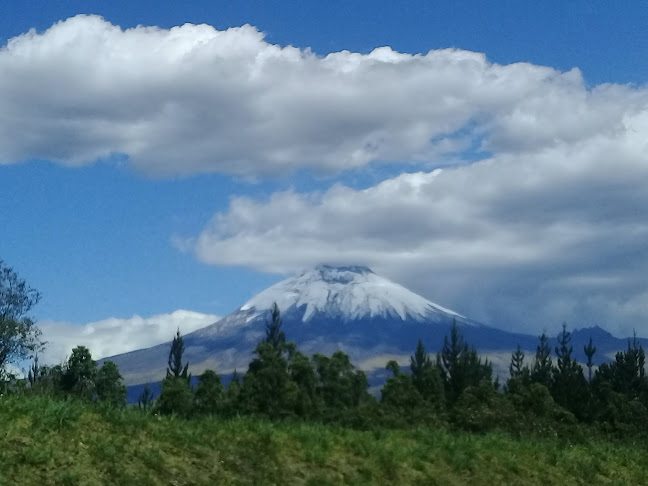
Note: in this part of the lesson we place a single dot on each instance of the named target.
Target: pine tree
(460, 366)
(568, 385)
(175, 368)
(145, 400)
(516, 368)
(274, 335)
(589, 350)
(268, 388)
(542, 366)
(426, 377)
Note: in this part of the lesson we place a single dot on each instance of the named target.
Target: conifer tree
(175, 368)
(267, 386)
(516, 368)
(460, 366)
(275, 337)
(542, 366)
(145, 400)
(589, 350)
(426, 377)
(568, 382)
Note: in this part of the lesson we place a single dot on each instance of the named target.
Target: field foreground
(44, 441)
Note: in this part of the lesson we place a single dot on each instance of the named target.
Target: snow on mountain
(350, 293)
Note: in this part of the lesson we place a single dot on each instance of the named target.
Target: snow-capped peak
(349, 292)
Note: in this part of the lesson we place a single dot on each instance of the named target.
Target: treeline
(548, 394)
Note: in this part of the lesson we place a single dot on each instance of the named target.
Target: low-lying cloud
(113, 336)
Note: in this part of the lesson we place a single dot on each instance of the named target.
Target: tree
(568, 385)
(589, 350)
(209, 394)
(109, 385)
(426, 377)
(232, 396)
(80, 373)
(145, 400)
(460, 366)
(308, 403)
(175, 368)
(176, 397)
(268, 388)
(542, 365)
(19, 336)
(275, 337)
(400, 397)
(341, 386)
(516, 368)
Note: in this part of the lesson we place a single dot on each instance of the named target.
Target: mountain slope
(328, 308)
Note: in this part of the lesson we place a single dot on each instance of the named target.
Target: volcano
(327, 308)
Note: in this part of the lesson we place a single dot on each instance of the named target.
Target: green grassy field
(44, 442)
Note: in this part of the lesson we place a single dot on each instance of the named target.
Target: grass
(49, 442)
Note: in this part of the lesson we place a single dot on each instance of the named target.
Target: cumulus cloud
(521, 240)
(115, 336)
(193, 99)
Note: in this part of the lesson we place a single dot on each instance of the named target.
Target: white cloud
(521, 240)
(115, 336)
(194, 99)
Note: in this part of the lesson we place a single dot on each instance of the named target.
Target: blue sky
(128, 232)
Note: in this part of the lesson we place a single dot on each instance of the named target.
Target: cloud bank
(521, 240)
(193, 99)
(115, 336)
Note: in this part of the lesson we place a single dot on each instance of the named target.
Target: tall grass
(49, 442)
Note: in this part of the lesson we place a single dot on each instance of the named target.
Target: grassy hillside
(43, 441)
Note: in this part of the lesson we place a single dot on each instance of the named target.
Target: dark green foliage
(176, 369)
(542, 366)
(480, 408)
(267, 387)
(308, 402)
(145, 400)
(589, 350)
(402, 400)
(516, 368)
(79, 375)
(460, 366)
(275, 337)
(176, 397)
(19, 336)
(109, 385)
(209, 395)
(568, 386)
(341, 385)
(231, 406)
(620, 389)
(426, 377)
